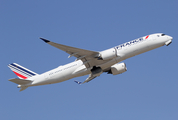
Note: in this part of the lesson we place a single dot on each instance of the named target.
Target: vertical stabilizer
(21, 72)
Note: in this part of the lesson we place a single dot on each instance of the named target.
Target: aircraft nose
(170, 38)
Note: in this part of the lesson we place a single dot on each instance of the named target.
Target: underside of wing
(77, 52)
(86, 56)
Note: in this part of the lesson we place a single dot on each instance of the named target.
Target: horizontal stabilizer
(20, 81)
(23, 88)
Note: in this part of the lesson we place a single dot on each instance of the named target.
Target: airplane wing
(90, 77)
(87, 80)
(84, 55)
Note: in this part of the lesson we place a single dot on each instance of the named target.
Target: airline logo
(146, 37)
(131, 42)
(21, 72)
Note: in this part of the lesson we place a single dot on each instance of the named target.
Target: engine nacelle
(108, 54)
(118, 69)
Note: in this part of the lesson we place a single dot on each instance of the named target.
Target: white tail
(21, 72)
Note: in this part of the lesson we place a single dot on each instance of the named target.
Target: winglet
(78, 82)
(45, 40)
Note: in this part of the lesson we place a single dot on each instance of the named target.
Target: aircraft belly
(49, 81)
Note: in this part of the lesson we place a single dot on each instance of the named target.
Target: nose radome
(170, 38)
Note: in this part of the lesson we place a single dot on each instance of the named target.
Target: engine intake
(107, 54)
(118, 69)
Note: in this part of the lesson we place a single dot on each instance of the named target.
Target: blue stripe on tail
(22, 69)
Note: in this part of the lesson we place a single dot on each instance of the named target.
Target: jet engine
(118, 69)
(107, 54)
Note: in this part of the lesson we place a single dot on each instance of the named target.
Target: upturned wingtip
(79, 83)
(45, 40)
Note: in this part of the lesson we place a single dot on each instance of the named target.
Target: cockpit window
(162, 34)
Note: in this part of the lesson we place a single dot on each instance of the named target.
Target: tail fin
(21, 72)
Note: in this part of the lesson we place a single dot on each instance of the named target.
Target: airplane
(89, 62)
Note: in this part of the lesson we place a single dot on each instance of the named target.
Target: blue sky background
(147, 91)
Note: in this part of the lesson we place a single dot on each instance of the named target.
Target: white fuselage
(123, 51)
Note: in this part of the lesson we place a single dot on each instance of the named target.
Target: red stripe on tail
(19, 75)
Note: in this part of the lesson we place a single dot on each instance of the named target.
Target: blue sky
(148, 90)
